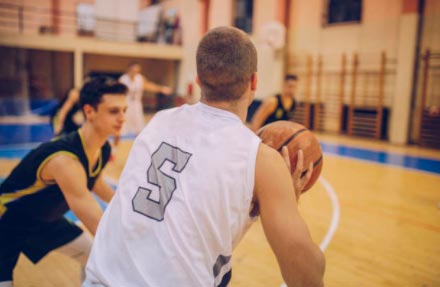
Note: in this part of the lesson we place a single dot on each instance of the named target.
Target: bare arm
(152, 87)
(103, 190)
(71, 178)
(72, 98)
(300, 259)
(266, 108)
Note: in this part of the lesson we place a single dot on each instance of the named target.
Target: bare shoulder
(270, 101)
(271, 172)
(59, 164)
(268, 156)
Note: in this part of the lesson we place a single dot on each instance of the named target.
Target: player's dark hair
(93, 90)
(226, 60)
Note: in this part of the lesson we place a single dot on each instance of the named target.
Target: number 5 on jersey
(142, 201)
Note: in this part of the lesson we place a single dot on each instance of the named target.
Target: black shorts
(34, 238)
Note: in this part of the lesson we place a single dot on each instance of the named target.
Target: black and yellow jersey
(280, 113)
(26, 195)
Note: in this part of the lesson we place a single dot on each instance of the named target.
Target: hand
(298, 182)
(165, 90)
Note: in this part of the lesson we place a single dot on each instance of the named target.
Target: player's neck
(287, 97)
(239, 108)
(92, 140)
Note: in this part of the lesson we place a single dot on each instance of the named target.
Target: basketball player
(68, 117)
(277, 108)
(136, 84)
(58, 176)
(194, 181)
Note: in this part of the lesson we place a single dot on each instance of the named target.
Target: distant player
(58, 176)
(137, 84)
(194, 181)
(68, 117)
(277, 108)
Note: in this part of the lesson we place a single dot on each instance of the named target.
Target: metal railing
(50, 19)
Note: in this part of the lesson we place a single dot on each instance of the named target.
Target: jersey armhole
(43, 163)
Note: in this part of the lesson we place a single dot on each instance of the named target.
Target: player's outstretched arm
(264, 110)
(103, 190)
(70, 176)
(72, 99)
(153, 87)
(300, 259)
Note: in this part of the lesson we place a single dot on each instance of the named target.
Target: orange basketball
(295, 137)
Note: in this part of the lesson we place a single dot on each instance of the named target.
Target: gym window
(243, 14)
(343, 11)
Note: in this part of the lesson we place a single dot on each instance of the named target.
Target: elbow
(307, 270)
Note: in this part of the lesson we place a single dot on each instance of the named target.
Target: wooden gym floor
(375, 211)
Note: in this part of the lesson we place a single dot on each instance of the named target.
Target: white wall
(220, 13)
(377, 32)
(270, 61)
(190, 17)
(431, 26)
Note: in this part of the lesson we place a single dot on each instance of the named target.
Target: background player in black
(68, 116)
(277, 108)
(58, 176)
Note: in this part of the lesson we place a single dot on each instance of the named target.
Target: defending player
(58, 176)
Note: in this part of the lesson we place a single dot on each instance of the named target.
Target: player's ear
(254, 80)
(88, 110)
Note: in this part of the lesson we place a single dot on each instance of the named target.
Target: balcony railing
(153, 23)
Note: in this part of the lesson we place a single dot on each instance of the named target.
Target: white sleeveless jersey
(135, 86)
(182, 202)
(134, 117)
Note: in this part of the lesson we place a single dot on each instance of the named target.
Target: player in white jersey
(136, 84)
(195, 179)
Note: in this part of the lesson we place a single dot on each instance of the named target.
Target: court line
(335, 215)
(411, 169)
(430, 165)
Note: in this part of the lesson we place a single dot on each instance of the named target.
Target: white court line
(335, 216)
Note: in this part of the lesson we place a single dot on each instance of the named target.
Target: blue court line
(16, 140)
(18, 134)
(394, 159)
(12, 151)
(24, 133)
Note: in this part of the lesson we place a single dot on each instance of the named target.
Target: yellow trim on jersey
(50, 157)
(7, 197)
(38, 184)
(92, 173)
(2, 209)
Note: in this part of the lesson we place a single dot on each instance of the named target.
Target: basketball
(295, 137)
